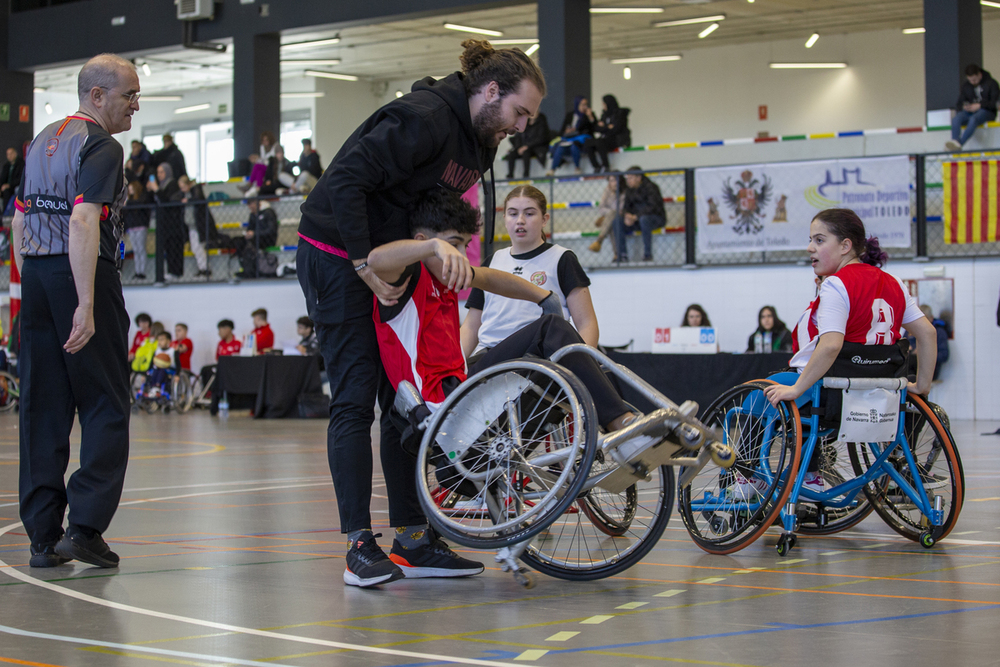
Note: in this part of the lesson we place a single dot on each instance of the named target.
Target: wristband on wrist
(362, 265)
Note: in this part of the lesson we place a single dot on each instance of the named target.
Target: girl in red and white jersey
(857, 303)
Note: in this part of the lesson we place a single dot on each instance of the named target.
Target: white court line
(5, 568)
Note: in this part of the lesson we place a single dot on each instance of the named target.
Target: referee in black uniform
(74, 328)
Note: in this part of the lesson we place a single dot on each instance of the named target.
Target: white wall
(345, 106)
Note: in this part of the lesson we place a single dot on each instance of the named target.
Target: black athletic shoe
(93, 551)
(46, 557)
(433, 560)
(367, 565)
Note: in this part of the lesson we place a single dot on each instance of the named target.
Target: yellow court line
(146, 656)
(686, 661)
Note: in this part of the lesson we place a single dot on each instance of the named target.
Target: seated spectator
(229, 346)
(533, 143)
(977, 105)
(695, 316)
(171, 155)
(280, 174)
(771, 335)
(143, 358)
(263, 337)
(164, 359)
(308, 164)
(309, 345)
(197, 220)
(138, 210)
(144, 322)
(642, 206)
(268, 144)
(183, 345)
(609, 208)
(10, 177)
(577, 127)
(261, 232)
(611, 132)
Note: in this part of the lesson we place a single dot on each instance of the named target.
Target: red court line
(15, 661)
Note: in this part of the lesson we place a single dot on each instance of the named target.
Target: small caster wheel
(524, 579)
(718, 525)
(927, 540)
(785, 544)
(723, 456)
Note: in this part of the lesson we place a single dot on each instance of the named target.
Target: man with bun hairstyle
(443, 134)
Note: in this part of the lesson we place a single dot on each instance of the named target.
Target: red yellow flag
(970, 201)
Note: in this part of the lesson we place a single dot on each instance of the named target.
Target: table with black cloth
(696, 377)
(276, 381)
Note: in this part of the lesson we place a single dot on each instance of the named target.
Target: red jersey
(184, 358)
(228, 349)
(418, 338)
(139, 339)
(263, 338)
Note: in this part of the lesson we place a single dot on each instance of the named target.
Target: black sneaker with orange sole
(432, 560)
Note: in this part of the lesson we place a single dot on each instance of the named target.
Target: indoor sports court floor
(231, 555)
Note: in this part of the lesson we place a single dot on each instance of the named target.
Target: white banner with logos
(753, 208)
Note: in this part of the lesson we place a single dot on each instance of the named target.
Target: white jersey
(502, 316)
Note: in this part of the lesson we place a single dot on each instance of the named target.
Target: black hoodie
(413, 144)
(990, 92)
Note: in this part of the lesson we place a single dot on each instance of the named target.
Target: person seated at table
(309, 344)
(143, 321)
(771, 335)
(858, 305)
(263, 337)
(164, 361)
(229, 346)
(183, 345)
(695, 316)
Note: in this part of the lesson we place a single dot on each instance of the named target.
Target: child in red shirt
(262, 335)
(229, 345)
(143, 321)
(183, 345)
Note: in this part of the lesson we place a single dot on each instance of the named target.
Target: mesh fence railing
(218, 241)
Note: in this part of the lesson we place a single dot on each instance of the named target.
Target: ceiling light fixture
(311, 44)
(312, 63)
(48, 108)
(627, 73)
(987, 3)
(531, 50)
(808, 65)
(399, 93)
(650, 59)
(913, 31)
(478, 31)
(511, 42)
(38, 90)
(708, 31)
(162, 98)
(702, 19)
(146, 70)
(330, 75)
(626, 10)
(194, 107)
(812, 40)
(293, 96)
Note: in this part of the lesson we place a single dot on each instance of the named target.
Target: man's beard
(487, 123)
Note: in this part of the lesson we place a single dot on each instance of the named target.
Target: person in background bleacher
(196, 220)
(309, 163)
(10, 176)
(771, 335)
(612, 132)
(533, 143)
(171, 155)
(268, 144)
(642, 207)
(977, 104)
(261, 233)
(608, 209)
(577, 127)
(136, 216)
(137, 166)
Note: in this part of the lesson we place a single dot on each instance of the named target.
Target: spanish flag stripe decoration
(970, 211)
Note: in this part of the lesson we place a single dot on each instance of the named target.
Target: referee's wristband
(361, 266)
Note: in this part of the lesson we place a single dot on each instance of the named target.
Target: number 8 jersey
(863, 302)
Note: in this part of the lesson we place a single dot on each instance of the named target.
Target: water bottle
(767, 343)
(224, 407)
(758, 343)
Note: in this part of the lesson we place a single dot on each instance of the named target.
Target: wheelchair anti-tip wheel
(613, 533)
(835, 468)
(726, 509)
(518, 440)
(939, 471)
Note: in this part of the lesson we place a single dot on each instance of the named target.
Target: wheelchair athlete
(852, 327)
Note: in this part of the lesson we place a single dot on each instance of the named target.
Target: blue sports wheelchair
(910, 474)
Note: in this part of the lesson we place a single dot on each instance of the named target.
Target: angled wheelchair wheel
(9, 392)
(724, 510)
(517, 440)
(181, 392)
(939, 470)
(605, 533)
(836, 468)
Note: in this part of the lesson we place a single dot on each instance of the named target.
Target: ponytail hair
(481, 63)
(845, 224)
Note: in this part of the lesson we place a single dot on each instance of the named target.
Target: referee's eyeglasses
(131, 97)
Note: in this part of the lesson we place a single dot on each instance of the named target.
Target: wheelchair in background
(177, 394)
(913, 479)
(514, 460)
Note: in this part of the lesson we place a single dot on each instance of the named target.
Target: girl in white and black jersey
(492, 318)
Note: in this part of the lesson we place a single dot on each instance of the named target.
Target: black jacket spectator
(613, 125)
(990, 94)
(172, 156)
(275, 166)
(535, 139)
(264, 225)
(137, 211)
(10, 175)
(644, 200)
(310, 163)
